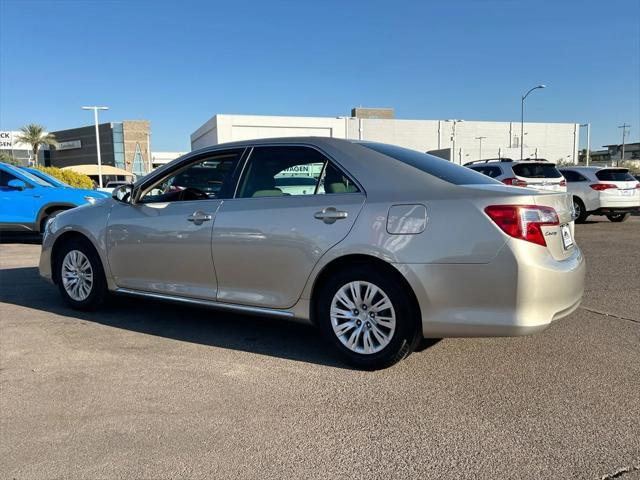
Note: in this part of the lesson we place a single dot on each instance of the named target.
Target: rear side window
(573, 176)
(492, 172)
(536, 170)
(614, 175)
(442, 169)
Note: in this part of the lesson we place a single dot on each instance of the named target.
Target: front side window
(203, 180)
(5, 178)
(283, 171)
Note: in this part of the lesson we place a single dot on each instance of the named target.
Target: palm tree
(35, 135)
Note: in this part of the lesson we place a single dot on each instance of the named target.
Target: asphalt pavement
(149, 390)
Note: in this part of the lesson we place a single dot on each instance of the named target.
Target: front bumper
(520, 292)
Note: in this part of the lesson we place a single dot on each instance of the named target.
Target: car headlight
(90, 199)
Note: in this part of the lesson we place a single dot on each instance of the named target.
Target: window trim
(328, 157)
(187, 162)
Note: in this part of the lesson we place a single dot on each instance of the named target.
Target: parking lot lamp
(522, 118)
(588, 155)
(453, 139)
(95, 118)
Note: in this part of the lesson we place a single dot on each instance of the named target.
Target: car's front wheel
(367, 316)
(80, 276)
(618, 217)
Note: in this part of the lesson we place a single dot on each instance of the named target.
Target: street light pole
(480, 139)
(588, 156)
(95, 119)
(522, 118)
(624, 128)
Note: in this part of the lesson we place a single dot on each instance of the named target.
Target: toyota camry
(378, 246)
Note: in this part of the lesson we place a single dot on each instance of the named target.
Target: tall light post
(625, 131)
(480, 140)
(95, 118)
(588, 155)
(522, 118)
(453, 137)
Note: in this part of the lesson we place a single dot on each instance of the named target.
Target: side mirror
(123, 193)
(17, 184)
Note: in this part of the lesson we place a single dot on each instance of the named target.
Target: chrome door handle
(330, 215)
(199, 217)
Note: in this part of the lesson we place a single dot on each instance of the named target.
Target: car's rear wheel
(580, 211)
(80, 276)
(618, 217)
(367, 317)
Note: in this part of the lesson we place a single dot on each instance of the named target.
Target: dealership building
(457, 140)
(124, 145)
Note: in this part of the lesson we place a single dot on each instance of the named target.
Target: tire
(47, 217)
(579, 208)
(618, 217)
(386, 344)
(72, 260)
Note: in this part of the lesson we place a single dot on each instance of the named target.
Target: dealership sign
(6, 140)
(69, 145)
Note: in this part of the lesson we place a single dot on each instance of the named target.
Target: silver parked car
(389, 246)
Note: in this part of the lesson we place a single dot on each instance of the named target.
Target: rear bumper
(616, 209)
(521, 292)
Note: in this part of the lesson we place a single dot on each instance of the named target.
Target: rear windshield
(615, 175)
(536, 170)
(442, 169)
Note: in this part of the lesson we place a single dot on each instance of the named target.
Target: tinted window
(572, 176)
(30, 178)
(615, 175)
(536, 170)
(492, 172)
(5, 178)
(442, 169)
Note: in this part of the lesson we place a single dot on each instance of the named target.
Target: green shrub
(77, 180)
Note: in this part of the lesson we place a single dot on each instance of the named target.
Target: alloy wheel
(77, 275)
(363, 317)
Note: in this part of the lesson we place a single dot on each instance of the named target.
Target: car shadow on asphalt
(19, 237)
(261, 335)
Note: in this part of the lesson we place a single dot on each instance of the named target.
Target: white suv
(536, 174)
(609, 191)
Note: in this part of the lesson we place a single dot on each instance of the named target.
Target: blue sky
(177, 63)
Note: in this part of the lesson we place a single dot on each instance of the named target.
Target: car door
(17, 205)
(162, 242)
(267, 239)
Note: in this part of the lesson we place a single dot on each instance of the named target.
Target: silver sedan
(376, 245)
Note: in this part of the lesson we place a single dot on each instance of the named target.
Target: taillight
(563, 183)
(602, 186)
(515, 182)
(523, 221)
(638, 185)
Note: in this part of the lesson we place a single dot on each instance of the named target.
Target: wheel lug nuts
(356, 312)
(364, 307)
(368, 325)
(371, 314)
(358, 323)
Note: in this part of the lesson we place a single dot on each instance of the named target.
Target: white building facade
(455, 140)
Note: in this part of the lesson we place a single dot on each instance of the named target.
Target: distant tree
(7, 158)
(35, 135)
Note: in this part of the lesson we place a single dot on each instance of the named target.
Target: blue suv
(27, 201)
